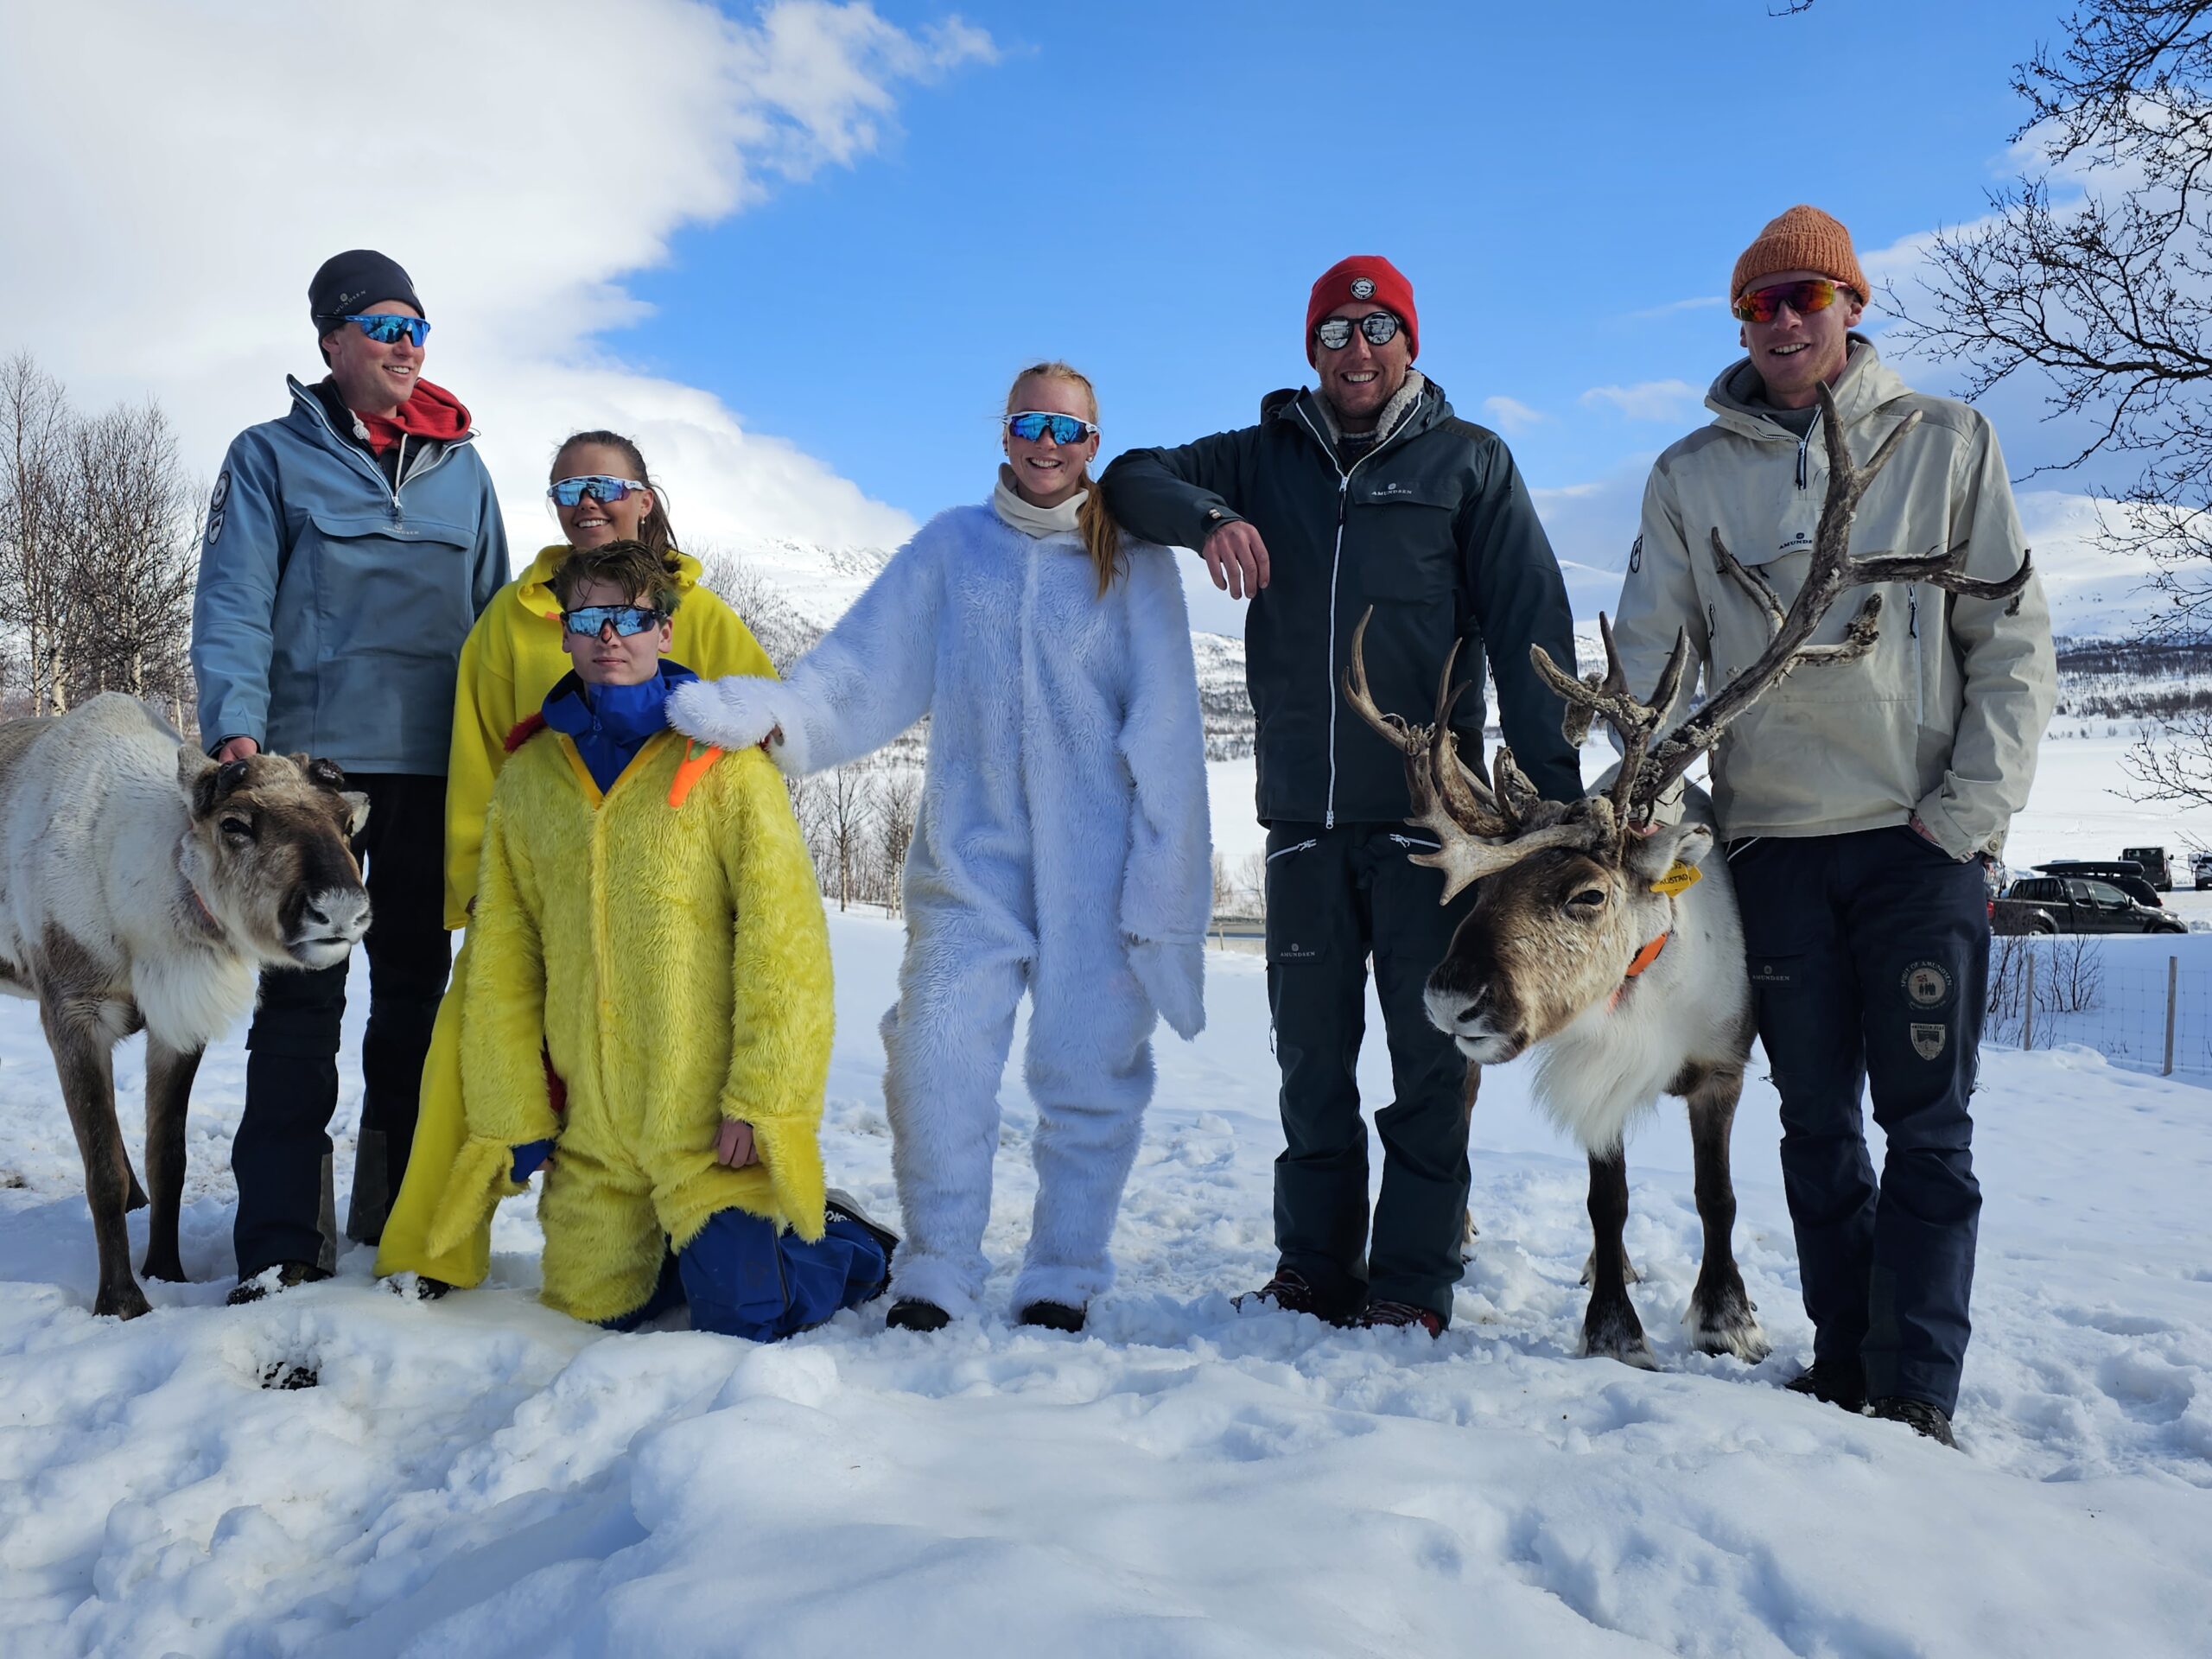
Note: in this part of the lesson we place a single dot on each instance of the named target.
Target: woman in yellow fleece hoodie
(512, 658)
(649, 1009)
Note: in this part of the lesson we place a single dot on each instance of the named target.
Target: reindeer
(1601, 939)
(142, 886)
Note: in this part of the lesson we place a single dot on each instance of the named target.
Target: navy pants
(1869, 954)
(1337, 897)
(282, 1153)
(744, 1277)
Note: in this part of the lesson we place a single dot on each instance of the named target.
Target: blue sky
(1149, 190)
(799, 247)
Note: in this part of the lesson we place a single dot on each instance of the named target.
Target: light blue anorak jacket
(332, 605)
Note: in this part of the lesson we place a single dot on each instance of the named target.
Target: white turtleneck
(1039, 522)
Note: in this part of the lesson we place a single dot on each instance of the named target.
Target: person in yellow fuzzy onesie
(600, 492)
(649, 1014)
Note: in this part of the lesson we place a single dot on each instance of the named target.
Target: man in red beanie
(1860, 806)
(1365, 491)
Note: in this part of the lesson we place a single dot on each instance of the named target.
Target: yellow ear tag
(1680, 878)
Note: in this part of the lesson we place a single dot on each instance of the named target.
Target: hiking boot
(1399, 1316)
(840, 1205)
(1833, 1382)
(1052, 1316)
(282, 1276)
(1289, 1292)
(1923, 1417)
(912, 1313)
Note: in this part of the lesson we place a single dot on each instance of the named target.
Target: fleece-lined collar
(1401, 404)
(1039, 522)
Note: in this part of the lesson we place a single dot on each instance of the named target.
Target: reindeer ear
(195, 776)
(1650, 857)
(356, 811)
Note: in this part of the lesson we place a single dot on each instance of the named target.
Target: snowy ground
(482, 1476)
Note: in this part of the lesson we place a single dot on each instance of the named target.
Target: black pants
(281, 1156)
(1335, 896)
(1869, 954)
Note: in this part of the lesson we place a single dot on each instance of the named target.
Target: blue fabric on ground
(744, 1277)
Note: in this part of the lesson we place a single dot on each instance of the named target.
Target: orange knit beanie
(1805, 238)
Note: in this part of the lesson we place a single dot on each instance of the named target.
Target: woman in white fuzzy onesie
(1061, 844)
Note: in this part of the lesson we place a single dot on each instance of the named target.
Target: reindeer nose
(339, 911)
(1473, 1007)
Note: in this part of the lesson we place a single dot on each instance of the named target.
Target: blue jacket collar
(610, 723)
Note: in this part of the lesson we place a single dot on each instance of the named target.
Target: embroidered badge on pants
(1928, 1041)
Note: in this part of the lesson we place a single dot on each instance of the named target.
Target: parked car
(2200, 869)
(2124, 874)
(2068, 904)
(2158, 868)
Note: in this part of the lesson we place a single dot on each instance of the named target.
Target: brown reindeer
(141, 885)
(1600, 940)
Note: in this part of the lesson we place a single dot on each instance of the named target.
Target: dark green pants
(1335, 898)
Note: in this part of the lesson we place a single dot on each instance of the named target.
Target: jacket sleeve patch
(216, 504)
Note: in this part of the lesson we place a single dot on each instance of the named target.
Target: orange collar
(1643, 959)
(1646, 956)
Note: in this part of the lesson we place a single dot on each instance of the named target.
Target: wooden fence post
(2173, 980)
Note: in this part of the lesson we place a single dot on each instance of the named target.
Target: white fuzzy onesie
(1061, 843)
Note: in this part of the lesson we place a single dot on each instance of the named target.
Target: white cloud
(1703, 303)
(1511, 417)
(1648, 400)
(192, 166)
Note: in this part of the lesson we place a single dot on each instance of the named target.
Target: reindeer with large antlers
(1600, 937)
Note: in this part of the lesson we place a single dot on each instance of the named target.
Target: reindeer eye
(242, 828)
(1590, 897)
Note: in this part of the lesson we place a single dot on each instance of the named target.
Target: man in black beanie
(351, 545)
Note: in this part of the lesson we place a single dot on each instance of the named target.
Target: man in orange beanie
(1365, 491)
(1860, 803)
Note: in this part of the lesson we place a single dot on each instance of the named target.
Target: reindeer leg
(1610, 1327)
(82, 1056)
(168, 1094)
(1722, 1318)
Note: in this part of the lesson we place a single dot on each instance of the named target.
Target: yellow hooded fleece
(672, 963)
(512, 659)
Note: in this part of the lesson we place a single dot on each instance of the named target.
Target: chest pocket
(1407, 553)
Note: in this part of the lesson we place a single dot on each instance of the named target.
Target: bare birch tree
(34, 422)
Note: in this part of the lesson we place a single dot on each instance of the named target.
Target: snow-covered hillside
(480, 1476)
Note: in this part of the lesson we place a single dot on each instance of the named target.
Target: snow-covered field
(482, 1476)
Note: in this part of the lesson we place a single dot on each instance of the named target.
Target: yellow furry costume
(674, 962)
(512, 658)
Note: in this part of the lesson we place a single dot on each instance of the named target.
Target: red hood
(429, 412)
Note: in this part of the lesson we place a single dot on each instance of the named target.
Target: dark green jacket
(1435, 528)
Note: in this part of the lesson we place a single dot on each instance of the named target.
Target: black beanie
(348, 283)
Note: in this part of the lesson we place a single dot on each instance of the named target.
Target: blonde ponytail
(1101, 536)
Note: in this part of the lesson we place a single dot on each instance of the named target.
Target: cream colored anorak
(1943, 716)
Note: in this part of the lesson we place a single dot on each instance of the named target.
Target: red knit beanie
(1364, 276)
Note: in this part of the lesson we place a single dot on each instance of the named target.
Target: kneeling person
(649, 1016)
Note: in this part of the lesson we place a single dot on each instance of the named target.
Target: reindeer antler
(1646, 773)
(1479, 828)
(1609, 698)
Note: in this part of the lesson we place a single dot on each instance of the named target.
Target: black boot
(1923, 1417)
(912, 1313)
(283, 1276)
(1834, 1383)
(1052, 1316)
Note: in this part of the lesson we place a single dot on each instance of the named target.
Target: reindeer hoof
(168, 1270)
(1727, 1321)
(125, 1302)
(1617, 1334)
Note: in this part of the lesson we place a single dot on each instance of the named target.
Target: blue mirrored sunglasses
(1032, 424)
(628, 619)
(385, 329)
(569, 491)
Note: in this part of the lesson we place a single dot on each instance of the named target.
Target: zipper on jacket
(390, 487)
(1336, 563)
(1804, 444)
(1411, 841)
(1285, 852)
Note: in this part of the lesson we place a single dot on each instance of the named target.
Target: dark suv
(2066, 904)
(2158, 869)
(2125, 874)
